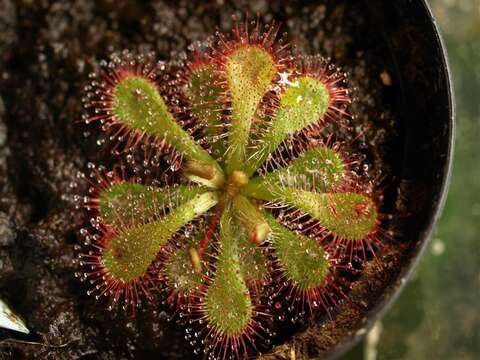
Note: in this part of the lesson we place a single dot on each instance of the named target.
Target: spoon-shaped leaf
(348, 215)
(318, 169)
(204, 94)
(302, 260)
(137, 104)
(303, 103)
(249, 71)
(129, 253)
(126, 204)
(228, 306)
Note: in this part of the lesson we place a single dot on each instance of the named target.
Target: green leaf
(228, 305)
(302, 260)
(319, 169)
(348, 215)
(254, 262)
(303, 103)
(138, 105)
(251, 218)
(127, 204)
(181, 274)
(249, 71)
(204, 93)
(128, 254)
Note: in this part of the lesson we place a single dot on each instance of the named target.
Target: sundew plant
(246, 198)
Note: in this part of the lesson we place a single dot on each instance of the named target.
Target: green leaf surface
(348, 215)
(181, 275)
(249, 71)
(303, 103)
(138, 105)
(302, 260)
(228, 305)
(126, 204)
(318, 169)
(254, 263)
(251, 218)
(128, 254)
(204, 93)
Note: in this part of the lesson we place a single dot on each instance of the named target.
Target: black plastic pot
(425, 109)
(399, 37)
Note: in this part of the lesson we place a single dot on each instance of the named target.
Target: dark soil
(47, 50)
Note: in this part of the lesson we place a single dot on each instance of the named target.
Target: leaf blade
(128, 254)
(303, 262)
(137, 104)
(348, 215)
(228, 305)
(319, 169)
(303, 103)
(124, 204)
(204, 94)
(249, 71)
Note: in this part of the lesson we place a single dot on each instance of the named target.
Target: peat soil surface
(47, 50)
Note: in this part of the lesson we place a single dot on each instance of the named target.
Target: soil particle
(7, 29)
(7, 232)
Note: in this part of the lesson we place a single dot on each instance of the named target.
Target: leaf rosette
(245, 162)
